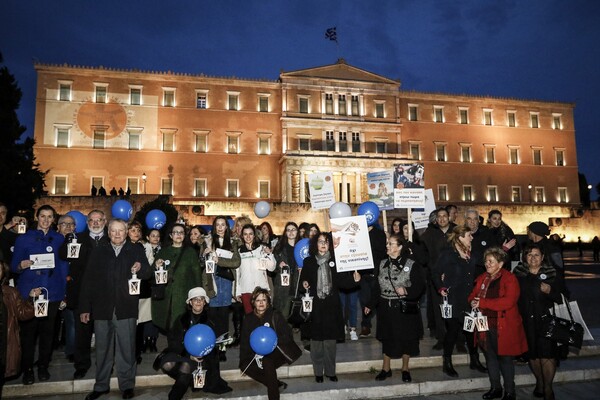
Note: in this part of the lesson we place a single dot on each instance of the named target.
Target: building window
(201, 100)
(328, 103)
(415, 150)
(201, 141)
(303, 105)
(540, 196)
(264, 144)
(329, 141)
(438, 114)
(200, 187)
(166, 186)
(342, 104)
(413, 112)
(442, 192)
(467, 193)
(562, 195)
(556, 121)
(492, 193)
(304, 144)
(99, 138)
(537, 156)
(135, 96)
(233, 99)
(490, 154)
(463, 115)
(380, 147)
(535, 119)
(515, 194)
(263, 103)
(100, 94)
(168, 97)
(342, 141)
(560, 157)
(168, 143)
(263, 189)
(512, 118)
(64, 92)
(233, 144)
(356, 148)
(487, 117)
(60, 185)
(465, 153)
(379, 109)
(134, 141)
(133, 185)
(62, 137)
(232, 188)
(513, 155)
(440, 152)
(355, 107)
(97, 181)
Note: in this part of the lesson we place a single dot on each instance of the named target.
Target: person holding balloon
(266, 341)
(181, 264)
(283, 292)
(190, 342)
(320, 278)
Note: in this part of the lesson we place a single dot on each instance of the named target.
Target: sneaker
(93, 341)
(345, 330)
(353, 335)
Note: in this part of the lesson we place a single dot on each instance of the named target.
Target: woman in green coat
(184, 273)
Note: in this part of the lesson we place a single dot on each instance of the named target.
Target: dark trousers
(499, 365)
(453, 329)
(220, 317)
(268, 374)
(180, 368)
(42, 329)
(83, 341)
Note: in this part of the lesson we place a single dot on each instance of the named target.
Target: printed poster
(351, 243)
(320, 186)
(381, 189)
(421, 218)
(409, 176)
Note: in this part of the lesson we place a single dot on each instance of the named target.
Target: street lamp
(530, 196)
(144, 177)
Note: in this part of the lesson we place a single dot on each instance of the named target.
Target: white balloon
(339, 210)
(262, 209)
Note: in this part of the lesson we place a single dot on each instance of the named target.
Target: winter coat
(17, 310)
(511, 335)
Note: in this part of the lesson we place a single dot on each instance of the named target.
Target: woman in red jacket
(496, 293)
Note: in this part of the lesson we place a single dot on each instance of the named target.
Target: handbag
(406, 306)
(560, 330)
(158, 292)
(562, 312)
(297, 315)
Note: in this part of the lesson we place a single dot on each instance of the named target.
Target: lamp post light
(144, 177)
(530, 194)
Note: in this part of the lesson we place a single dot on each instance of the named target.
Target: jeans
(351, 301)
(69, 317)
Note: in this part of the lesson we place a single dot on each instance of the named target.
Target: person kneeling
(176, 362)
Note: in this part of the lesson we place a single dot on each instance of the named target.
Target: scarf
(323, 276)
(489, 290)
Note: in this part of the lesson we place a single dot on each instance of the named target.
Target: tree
(584, 192)
(21, 181)
(160, 203)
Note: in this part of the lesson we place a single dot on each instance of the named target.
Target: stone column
(302, 191)
(357, 189)
(344, 187)
(288, 185)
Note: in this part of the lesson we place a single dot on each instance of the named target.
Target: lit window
(535, 119)
(413, 112)
(516, 194)
(99, 139)
(467, 193)
(490, 154)
(303, 105)
(415, 151)
(442, 192)
(200, 187)
(342, 142)
(328, 103)
(342, 104)
(62, 137)
(562, 195)
(166, 186)
(64, 92)
(201, 100)
(97, 181)
(169, 97)
(512, 118)
(513, 155)
(263, 189)
(134, 141)
(537, 156)
(133, 185)
(168, 143)
(263, 103)
(201, 141)
(487, 117)
(232, 188)
(438, 114)
(355, 106)
(60, 185)
(465, 153)
(379, 109)
(556, 121)
(233, 99)
(463, 115)
(560, 157)
(492, 193)
(100, 94)
(440, 152)
(264, 143)
(540, 195)
(329, 141)
(135, 96)
(356, 146)
(233, 144)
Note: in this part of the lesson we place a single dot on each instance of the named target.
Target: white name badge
(221, 253)
(42, 261)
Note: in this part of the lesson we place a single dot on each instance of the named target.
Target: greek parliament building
(223, 143)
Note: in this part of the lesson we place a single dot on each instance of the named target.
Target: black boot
(145, 344)
(448, 368)
(182, 383)
(475, 363)
(152, 345)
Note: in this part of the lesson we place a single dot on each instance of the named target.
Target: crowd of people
(104, 283)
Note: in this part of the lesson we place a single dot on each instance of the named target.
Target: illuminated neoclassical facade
(222, 139)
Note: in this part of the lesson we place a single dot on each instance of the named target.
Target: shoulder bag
(560, 330)
(406, 306)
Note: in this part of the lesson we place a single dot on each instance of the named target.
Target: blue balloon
(155, 219)
(263, 340)
(370, 211)
(122, 209)
(301, 251)
(199, 340)
(230, 222)
(80, 220)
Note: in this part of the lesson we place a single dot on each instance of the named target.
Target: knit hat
(539, 228)
(197, 292)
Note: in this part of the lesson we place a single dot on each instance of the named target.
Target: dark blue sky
(527, 49)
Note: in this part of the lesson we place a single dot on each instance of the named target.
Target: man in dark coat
(105, 295)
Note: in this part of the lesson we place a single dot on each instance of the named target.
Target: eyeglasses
(322, 242)
(67, 223)
(178, 233)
